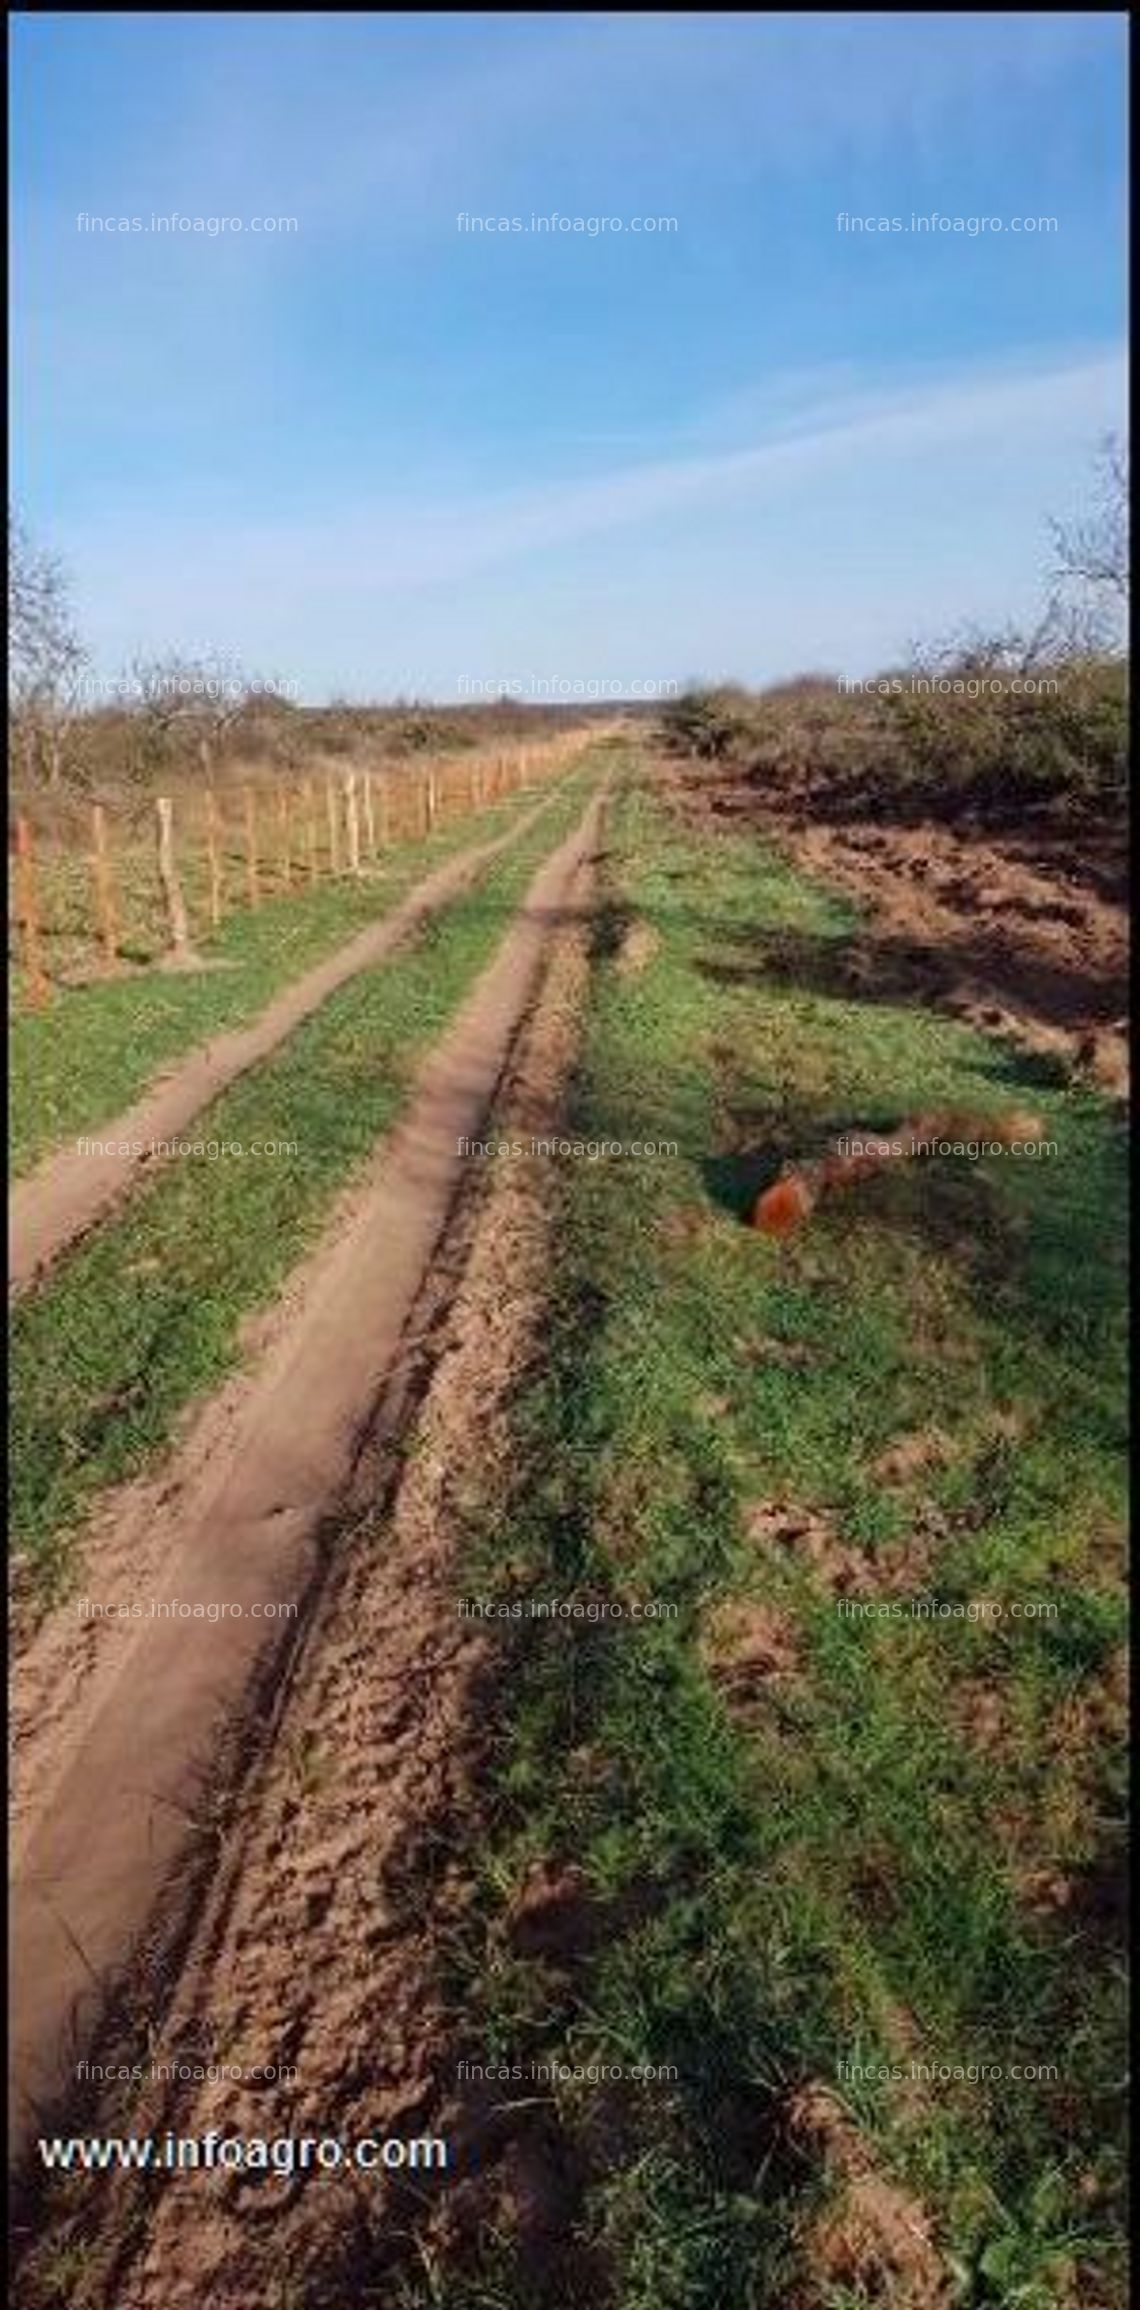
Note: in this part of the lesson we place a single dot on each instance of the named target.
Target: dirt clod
(638, 948)
(914, 1456)
(872, 2236)
(748, 1647)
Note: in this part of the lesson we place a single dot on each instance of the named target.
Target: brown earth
(784, 1533)
(912, 1456)
(749, 1649)
(71, 1190)
(1023, 934)
(871, 2236)
(117, 1724)
(637, 949)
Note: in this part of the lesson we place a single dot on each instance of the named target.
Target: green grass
(94, 1050)
(144, 1316)
(848, 1862)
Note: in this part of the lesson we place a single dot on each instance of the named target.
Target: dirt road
(116, 1775)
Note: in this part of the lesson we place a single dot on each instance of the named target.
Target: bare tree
(203, 699)
(1094, 550)
(46, 659)
(1082, 615)
(974, 649)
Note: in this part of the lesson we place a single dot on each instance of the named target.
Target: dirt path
(72, 1189)
(121, 1766)
(341, 1869)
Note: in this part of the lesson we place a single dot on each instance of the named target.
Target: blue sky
(381, 455)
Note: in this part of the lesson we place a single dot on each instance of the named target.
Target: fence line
(205, 857)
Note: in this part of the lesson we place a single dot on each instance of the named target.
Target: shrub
(909, 751)
(711, 724)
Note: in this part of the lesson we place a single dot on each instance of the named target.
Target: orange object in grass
(784, 1207)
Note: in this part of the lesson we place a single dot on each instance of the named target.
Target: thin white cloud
(261, 585)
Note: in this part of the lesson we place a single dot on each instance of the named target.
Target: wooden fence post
(334, 827)
(284, 830)
(385, 811)
(27, 900)
(429, 802)
(352, 822)
(104, 886)
(251, 847)
(310, 802)
(213, 858)
(367, 782)
(168, 876)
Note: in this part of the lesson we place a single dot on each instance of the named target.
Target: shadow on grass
(876, 967)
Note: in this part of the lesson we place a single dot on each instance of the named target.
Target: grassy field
(145, 1315)
(797, 1839)
(94, 1050)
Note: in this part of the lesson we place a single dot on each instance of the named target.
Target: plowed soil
(1024, 934)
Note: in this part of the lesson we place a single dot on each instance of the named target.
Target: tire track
(246, 1506)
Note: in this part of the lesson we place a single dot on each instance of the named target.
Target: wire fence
(100, 889)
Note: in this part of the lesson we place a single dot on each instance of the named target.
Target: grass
(93, 1051)
(145, 1315)
(906, 1844)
